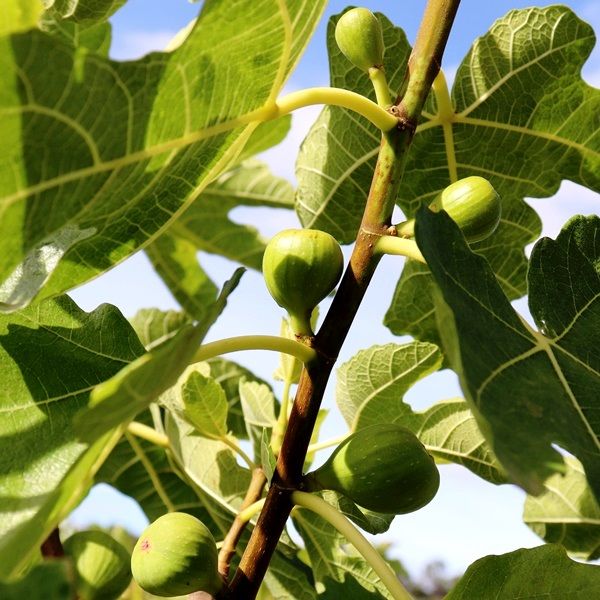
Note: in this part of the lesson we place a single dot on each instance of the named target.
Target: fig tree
(176, 555)
(383, 467)
(101, 565)
(359, 36)
(300, 267)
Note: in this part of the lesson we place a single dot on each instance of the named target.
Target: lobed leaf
(527, 389)
(103, 155)
(371, 387)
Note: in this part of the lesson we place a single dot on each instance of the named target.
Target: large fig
(383, 467)
(176, 555)
(300, 267)
(101, 565)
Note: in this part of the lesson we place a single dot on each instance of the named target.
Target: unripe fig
(359, 36)
(101, 565)
(473, 204)
(176, 555)
(383, 467)
(300, 267)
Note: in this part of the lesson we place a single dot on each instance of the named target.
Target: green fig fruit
(383, 468)
(359, 36)
(101, 565)
(300, 267)
(176, 555)
(473, 204)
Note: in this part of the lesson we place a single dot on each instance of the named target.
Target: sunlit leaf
(127, 146)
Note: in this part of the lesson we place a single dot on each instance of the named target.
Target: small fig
(473, 204)
(383, 468)
(101, 565)
(359, 36)
(176, 555)
(300, 267)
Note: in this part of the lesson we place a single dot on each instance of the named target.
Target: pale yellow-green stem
(255, 342)
(335, 518)
(148, 433)
(406, 229)
(234, 446)
(156, 482)
(337, 97)
(445, 110)
(391, 244)
(380, 85)
(327, 443)
(252, 510)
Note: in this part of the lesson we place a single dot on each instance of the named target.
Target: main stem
(422, 68)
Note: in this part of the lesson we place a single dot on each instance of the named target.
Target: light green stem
(356, 538)
(380, 85)
(327, 444)
(337, 97)
(249, 512)
(406, 229)
(445, 110)
(255, 342)
(391, 244)
(148, 433)
(234, 446)
(160, 490)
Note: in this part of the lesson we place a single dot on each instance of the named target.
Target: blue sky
(469, 518)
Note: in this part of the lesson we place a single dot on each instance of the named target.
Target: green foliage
(513, 375)
(103, 158)
(545, 571)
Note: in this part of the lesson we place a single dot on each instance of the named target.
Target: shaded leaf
(527, 390)
(117, 400)
(134, 473)
(544, 572)
(51, 358)
(51, 580)
(154, 326)
(175, 260)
